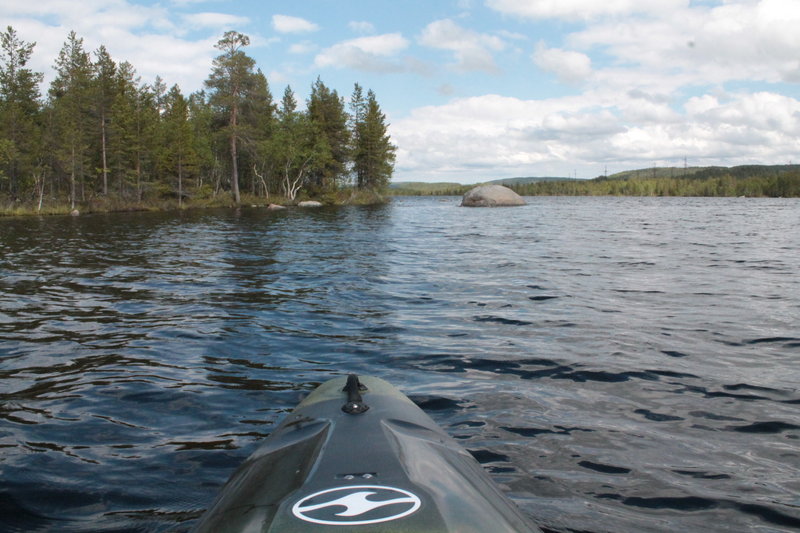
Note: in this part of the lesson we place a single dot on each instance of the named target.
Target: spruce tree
(123, 140)
(375, 154)
(357, 114)
(297, 147)
(328, 117)
(149, 108)
(201, 118)
(258, 117)
(178, 155)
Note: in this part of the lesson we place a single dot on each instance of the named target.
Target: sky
(476, 90)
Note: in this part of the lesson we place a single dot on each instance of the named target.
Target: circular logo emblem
(356, 505)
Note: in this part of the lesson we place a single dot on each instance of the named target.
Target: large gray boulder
(491, 196)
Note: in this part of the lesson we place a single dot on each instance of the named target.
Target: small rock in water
(491, 196)
(275, 206)
(74, 212)
(309, 203)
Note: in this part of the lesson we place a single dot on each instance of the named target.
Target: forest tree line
(100, 136)
(750, 181)
(774, 181)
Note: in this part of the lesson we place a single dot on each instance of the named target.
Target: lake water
(616, 364)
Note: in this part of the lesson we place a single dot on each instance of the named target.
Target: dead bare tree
(263, 181)
(38, 178)
(291, 185)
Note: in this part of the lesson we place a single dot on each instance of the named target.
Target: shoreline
(110, 205)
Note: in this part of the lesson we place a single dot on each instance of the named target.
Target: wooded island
(102, 140)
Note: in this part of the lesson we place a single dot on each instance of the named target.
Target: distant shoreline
(769, 181)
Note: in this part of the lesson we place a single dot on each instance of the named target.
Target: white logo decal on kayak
(356, 505)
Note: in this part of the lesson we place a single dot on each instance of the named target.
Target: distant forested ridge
(748, 180)
(101, 138)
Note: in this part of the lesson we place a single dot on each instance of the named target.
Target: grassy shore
(116, 205)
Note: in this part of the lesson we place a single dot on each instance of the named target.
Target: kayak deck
(383, 466)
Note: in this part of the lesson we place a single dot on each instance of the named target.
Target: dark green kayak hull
(388, 469)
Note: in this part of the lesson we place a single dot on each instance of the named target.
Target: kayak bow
(376, 463)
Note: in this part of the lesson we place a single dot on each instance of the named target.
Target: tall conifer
(179, 156)
(374, 153)
(327, 115)
(104, 89)
(70, 98)
(232, 81)
(19, 107)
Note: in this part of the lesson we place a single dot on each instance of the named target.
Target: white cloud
(759, 127)
(472, 139)
(640, 107)
(289, 24)
(581, 9)
(145, 36)
(305, 47)
(512, 35)
(186, 63)
(277, 77)
(735, 41)
(87, 15)
(375, 53)
(361, 26)
(214, 20)
(569, 66)
(473, 51)
(189, 2)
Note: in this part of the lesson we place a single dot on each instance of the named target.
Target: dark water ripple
(615, 364)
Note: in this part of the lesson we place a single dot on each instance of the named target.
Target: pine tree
(19, 108)
(103, 89)
(154, 98)
(231, 82)
(107, 133)
(148, 135)
(70, 97)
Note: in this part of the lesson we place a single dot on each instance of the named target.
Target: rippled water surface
(616, 364)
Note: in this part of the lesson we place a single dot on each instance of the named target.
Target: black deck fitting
(355, 404)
